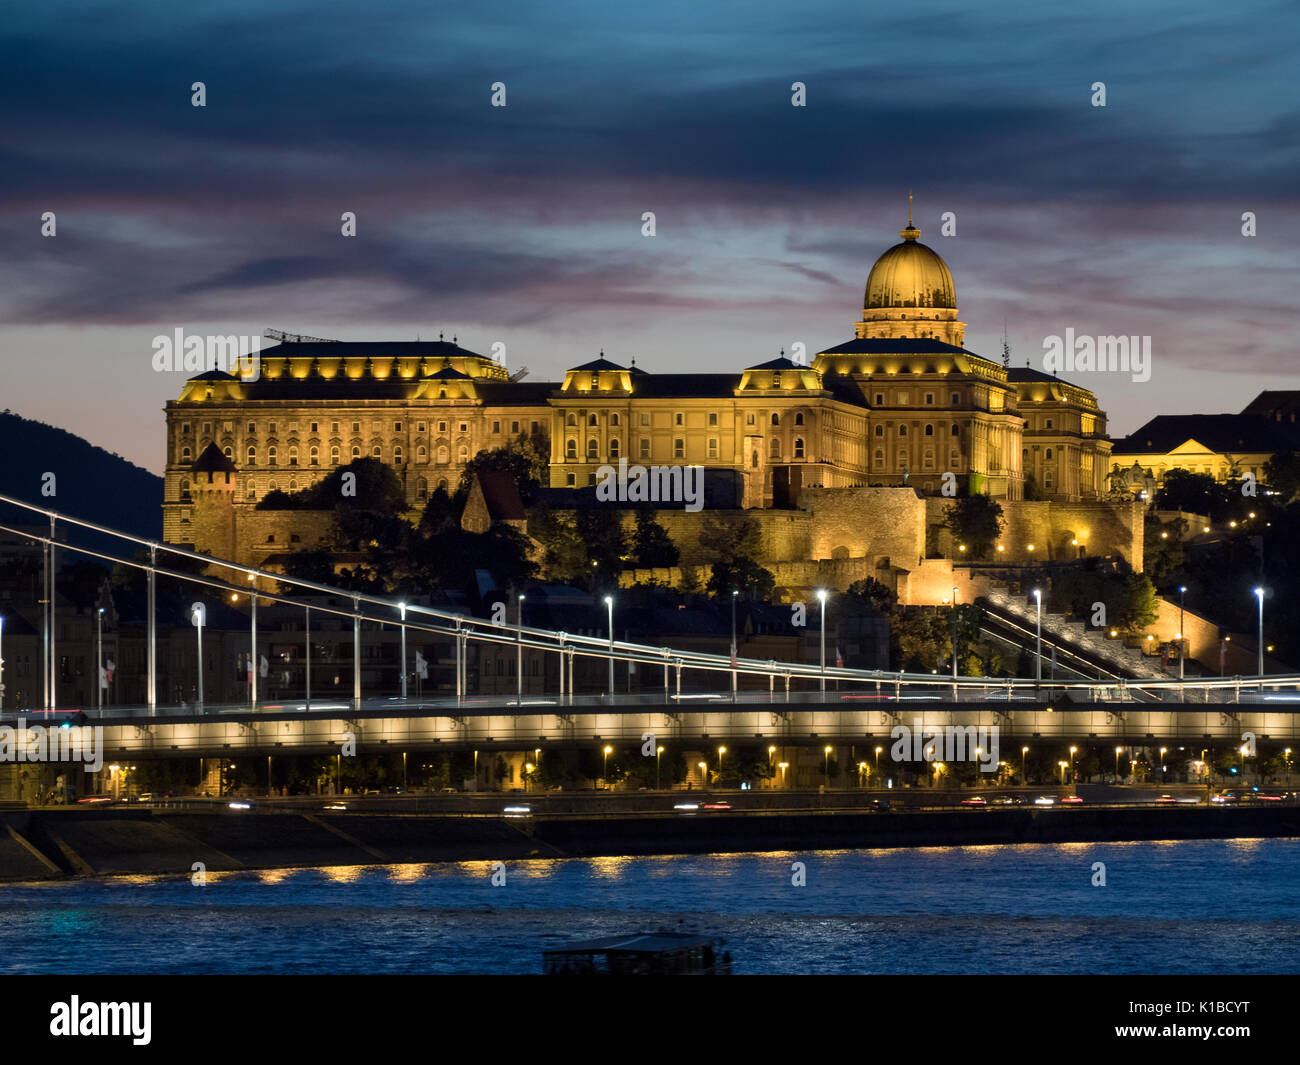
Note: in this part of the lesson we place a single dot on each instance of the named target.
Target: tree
(736, 544)
(1196, 493)
(652, 547)
(600, 530)
(871, 592)
(976, 521)
(1162, 548)
(525, 459)
(566, 555)
(440, 512)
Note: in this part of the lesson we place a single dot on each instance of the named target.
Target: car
(94, 800)
(974, 800)
(518, 811)
(715, 806)
(882, 804)
(448, 791)
(1073, 800)
(335, 806)
(686, 807)
(1224, 798)
(239, 804)
(1009, 800)
(1045, 800)
(1166, 800)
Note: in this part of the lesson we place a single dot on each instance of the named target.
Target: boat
(640, 954)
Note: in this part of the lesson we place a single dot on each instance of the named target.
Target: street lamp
(721, 752)
(828, 765)
(519, 655)
(1287, 754)
(1062, 764)
(1259, 594)
(783, 766)
(604, 769)
(1074, 776)
(954, 635)
(402, 607)
(1182, 592)
(1038, 656)
(734, 594)
(99, 658)
(1162, 763)
(1023, 778)
(862, 772)
(704, 770)
(821, 598)
(658, 751)
(1118, 752)
(609, 606)
(878, 750)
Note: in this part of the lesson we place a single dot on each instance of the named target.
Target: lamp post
(1182, 592)
(197, 613)
(954, 635)
(604, 770)
(1062, 764)
(1118, 752)
(878, 750)
(658, 753)
(253, 664)
(519, 654)
(609, 605)
(1023, 778)
(821, 598)
(1259, 594)
(1074, 776)
(99, 659)
(721, 752)
(827, 765)
(783, 766)
(704, 771)
(1162, 763)
(1038, 654)
(734, 594)
(402, 607)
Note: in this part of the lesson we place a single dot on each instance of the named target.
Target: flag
(421, 666)
(103, 677)
(1223, 655)
(248, 669)
(109, 667)
(734, 662)
(839, 658)
(264, 668)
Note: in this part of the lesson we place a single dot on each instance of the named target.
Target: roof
(1273, 403)
(893, 346)
(640, 943)
(688, 384)
(501, 496)
(1221, 433)
(214, 375)
(600, 364)
(212, 461)
(388, 349)
(449, 373)
(782, 363)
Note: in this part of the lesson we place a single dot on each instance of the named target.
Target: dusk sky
(522, 224)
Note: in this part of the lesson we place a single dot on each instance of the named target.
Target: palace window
(314, 427)
(1048, 455)
(185, 430)
(271, 428)
(463, 453)
(227, 452)
(928, 459)
(185, 455)
(334, 427)
(570, 480)
(902, 459)
(713, 420)
(774, 449)
(571, 420)
(397, 454)
(252, 456)
(442, 427)
(591, 420)
(929, 430)
(955, 431)
(902, 430)
(613, 448)
(749, 419)
(644, 445)
(270, 456)
(880, 430)
(613, 419)
(679, 418)
(356, 427)
(880, 399)
(422, 489)
(798, 418)
(713, 447)
(252, 428)
(645, 418)
(798, 447)
(444, 456)
(514, 426)
(313, 456)
(679, 448)
(956, 399)
(776, 378)
(591, 449)
(377, 452)
(496, 428)
(421, 454)
(571, 450)
(464, 427)
(880, 457)
(356, 453)
(776, 419)
(397, 427)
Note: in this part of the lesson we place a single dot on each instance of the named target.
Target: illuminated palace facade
(902, 402)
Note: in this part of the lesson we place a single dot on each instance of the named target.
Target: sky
(523, 224)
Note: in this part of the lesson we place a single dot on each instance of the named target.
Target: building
(1223, 446)
(902, 402)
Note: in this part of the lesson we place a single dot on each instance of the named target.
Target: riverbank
(56, 844)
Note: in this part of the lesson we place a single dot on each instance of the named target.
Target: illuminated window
(591, 449)
(571, 449)
(679, 448)
(798, 447)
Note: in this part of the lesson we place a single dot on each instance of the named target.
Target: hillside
(90, 483)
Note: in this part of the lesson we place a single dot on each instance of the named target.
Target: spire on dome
(911, 232)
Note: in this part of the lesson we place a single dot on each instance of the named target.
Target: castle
(902, 402)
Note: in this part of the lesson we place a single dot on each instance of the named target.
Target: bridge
(702, 697)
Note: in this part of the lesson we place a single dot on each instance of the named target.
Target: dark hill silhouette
(91, 483)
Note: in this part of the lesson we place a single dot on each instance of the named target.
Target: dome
(910, 275)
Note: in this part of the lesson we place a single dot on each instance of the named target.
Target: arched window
(776, 419)
(902, 430)
(462, 454)
(798, 418)
(227, 452)
(591, 449)
(613, 448)
(442, 485)
(356, 452)
(185, 454)
(753, 461)
(798, 447)
(613, 419)
(572, 419)
(422, 488)
(397, 454)
(571, 449)
(377, 452)
(444, 456)
(880, 456)
(1048, 456)
(591, 419)
(955, 431)
(252, 456)
(421, 454)
(293, 486)
(272, 487)
(774, 449)
(929, 430)
(880, 430)
(270, 456)
(293, 456)
(335, 455)
(313, 455)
